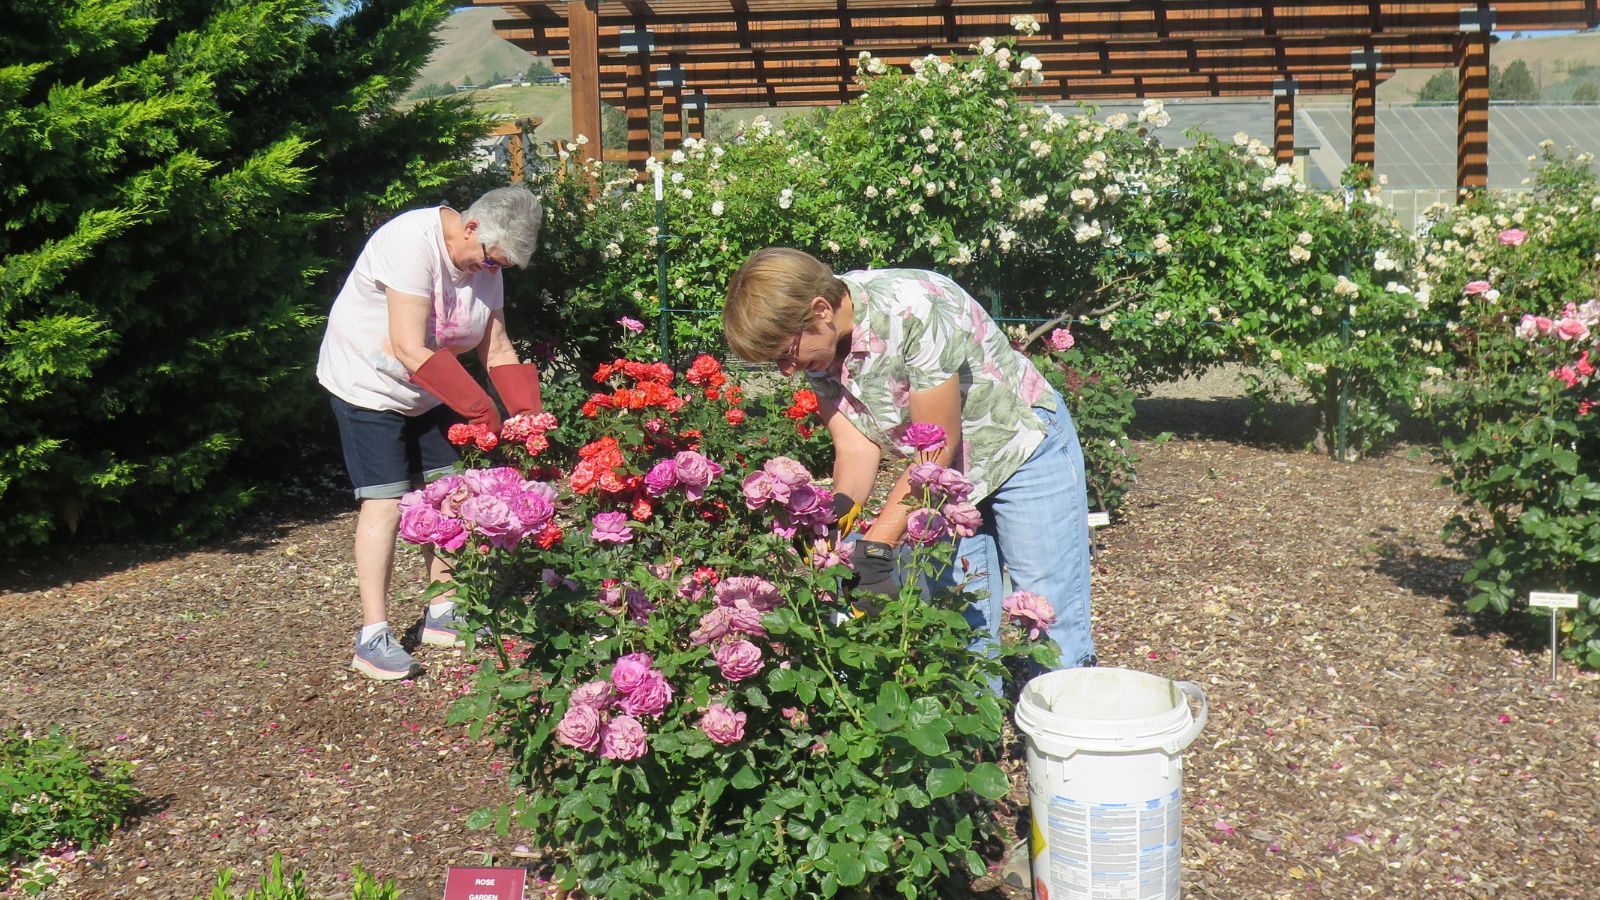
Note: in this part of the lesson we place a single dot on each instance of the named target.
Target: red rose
(642, 509)
(805, 430)
(549, 537)
(735, 416)
(713, 394)
(459, 433)
(487, 440)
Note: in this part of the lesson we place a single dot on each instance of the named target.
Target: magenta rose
(955, 486)
(926, 526)
(695, 473)
(964, 518)
(738, 660)
(580, 728)
(596, 695)
(422, 524)
(629, 671)
(662, 477)
(924, 436)
(723, 725)
(611, 528)
(492, 481)
(630, 324)
(622, 738)
(649, 697)
(1061, 339)
(532, 511)
(804, 500)
(759, 593)
(639, 605)
(1029, 610)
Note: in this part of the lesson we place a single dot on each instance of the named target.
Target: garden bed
(1365, 738)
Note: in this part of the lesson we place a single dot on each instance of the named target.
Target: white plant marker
(1555, 602)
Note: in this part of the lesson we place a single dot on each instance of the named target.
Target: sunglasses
(489, 262)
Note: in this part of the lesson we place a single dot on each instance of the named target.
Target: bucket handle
(1197, 694)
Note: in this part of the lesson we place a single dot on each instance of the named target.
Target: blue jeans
(1036, 526)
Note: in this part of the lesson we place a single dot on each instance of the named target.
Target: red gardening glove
(443, 376)
(519, 388)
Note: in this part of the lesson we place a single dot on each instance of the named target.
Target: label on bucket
(1114, 850)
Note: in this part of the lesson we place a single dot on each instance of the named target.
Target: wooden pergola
(682, 56)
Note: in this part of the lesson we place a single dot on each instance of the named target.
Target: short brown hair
(769, 299)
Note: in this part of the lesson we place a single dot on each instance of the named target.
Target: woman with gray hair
(426, 287)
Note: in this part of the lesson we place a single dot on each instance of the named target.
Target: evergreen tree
(1516, 83)
(1441, 88)
(182, 186)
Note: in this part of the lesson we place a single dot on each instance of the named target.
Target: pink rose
(695, 473)
(1571, 329)
(639, 605)
(580, 728)
(787, 471)
(738, 660)
(649, 697)
(622, 738)
(1031, 611)
(663, 477)
(926, 526)
(922, 474)
(491, 517)
(759, 593)
(713, 626)
(723, 725)
(629, 671)
(924, 436)
(612, 528)
(963, 518)
(447, 488)
(596, 695)
(631, 325)
(1513, 237)
(492, 481)
(1061, 339)
(955, 486)
(1476, 287)
(757, 489)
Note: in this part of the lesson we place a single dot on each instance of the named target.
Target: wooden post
(583, 25)
(671, 119)
(1472, 112)
(1283, 121)
(1364, 107)
(636, 103)
(694, 121)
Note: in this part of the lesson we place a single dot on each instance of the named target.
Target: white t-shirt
(408, 253)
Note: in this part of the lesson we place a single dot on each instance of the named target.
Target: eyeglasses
(790, 355)
(489, 262)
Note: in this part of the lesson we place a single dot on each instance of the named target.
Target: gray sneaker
(383, 658)
(443, 631)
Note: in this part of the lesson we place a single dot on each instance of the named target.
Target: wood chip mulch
(1366, 739)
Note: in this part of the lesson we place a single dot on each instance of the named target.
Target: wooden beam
(636, 104)
(671, 118)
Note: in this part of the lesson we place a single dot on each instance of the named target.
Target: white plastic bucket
(1105, 779)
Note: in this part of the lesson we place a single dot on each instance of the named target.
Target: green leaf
(943, 782)
(848, 866)
(989, 780)
(745, 779)
(930, 738)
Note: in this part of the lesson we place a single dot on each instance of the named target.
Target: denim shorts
(388, 453)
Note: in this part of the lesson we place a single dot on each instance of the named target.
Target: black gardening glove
(874, 580)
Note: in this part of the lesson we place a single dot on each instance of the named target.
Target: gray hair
(508, 218)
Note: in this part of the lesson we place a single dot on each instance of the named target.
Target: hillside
(1553, 61)
(469, 49)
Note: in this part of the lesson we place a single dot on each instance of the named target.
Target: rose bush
(690, 701)
(1521, 391)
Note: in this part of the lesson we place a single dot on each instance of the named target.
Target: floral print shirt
(913, 331)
